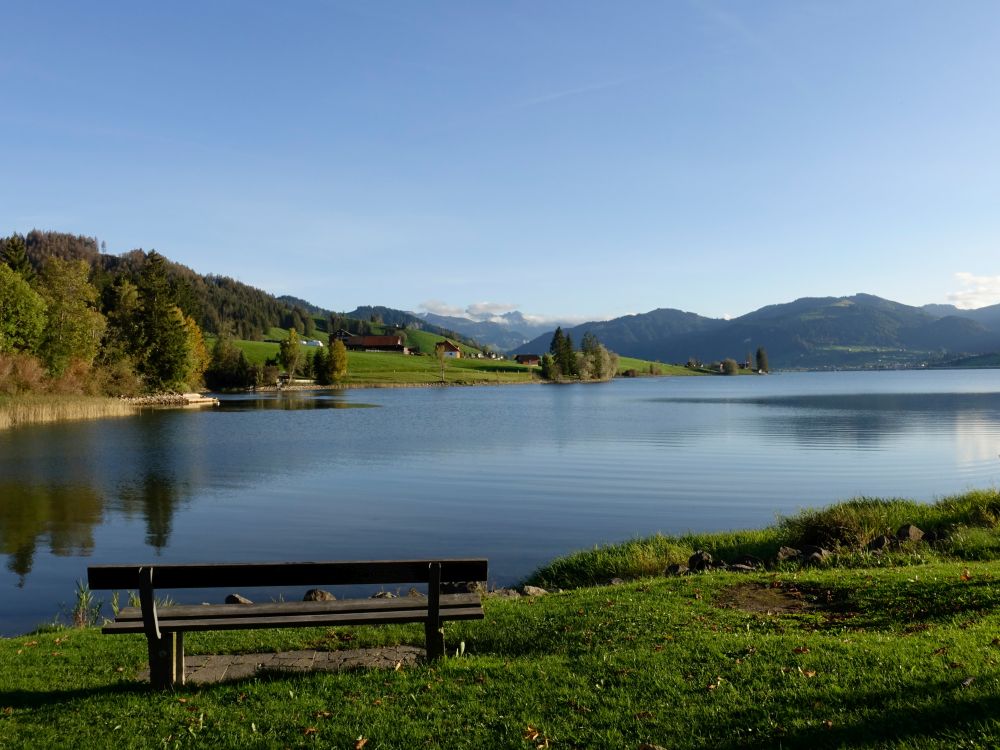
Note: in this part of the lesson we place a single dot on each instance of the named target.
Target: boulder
(237, 599)
(808, 550)
(879, 543)
(788, 553)
(463, 587)
(813, 558)
(318, 595)
(616, 581)
(753, 562)
(700, 560)
(504, 594)
(676, 569)
(533, 591)
(416, 594)
(909, 533)
(932, 536)
(741, 568)
(383, 595)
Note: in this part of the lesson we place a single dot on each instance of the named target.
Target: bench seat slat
(295, 621)
(343, 606)
(322, 573)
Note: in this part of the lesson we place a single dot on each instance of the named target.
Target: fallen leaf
(828, 724)
(182, 700)
(801, 650)
(942, 650)
(309, 730)
(966, 575)
(322, 714)
(968, 681)
(360, 743)
(645, 715)
(810, 673)
(399, 666)
(377, 702)
(532, 734)
(955, 665)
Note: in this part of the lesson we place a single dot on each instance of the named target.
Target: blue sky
(569, 159)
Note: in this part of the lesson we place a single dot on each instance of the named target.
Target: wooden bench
(164, 627)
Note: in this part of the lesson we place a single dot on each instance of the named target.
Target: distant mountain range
(811, 332)
(504, 332)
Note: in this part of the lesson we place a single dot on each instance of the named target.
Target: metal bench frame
(165, 627)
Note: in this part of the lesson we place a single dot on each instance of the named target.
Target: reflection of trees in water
(65, 515)
(156, 496)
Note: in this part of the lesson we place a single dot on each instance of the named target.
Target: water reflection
(288, 401)
(156, 497)
(63, 515)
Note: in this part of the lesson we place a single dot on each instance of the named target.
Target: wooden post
(161, 650)
(433, 632)
(178, 646)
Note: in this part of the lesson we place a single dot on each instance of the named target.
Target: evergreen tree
(15, 255)
(321, 366)
(762, 365)
(549, 370)
(163, 340)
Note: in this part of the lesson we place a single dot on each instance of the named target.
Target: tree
(338, 360)
(75, 327)
(549, 370)
(22, 313)
(762, 365)
(440, 354)
(198, 357)
(290, 352)
(730, 367)
(163, 337)
(15, 255)
(228, 367)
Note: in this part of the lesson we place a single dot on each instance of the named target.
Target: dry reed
(25, 410)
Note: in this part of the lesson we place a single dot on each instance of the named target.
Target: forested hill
(210, 299)
(812, 332)
(401, 318)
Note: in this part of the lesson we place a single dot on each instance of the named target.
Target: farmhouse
(532, 360)
(450, 350)
(377, 344)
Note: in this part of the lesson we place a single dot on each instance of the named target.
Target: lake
(517, 474)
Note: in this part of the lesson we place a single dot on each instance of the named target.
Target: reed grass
(17, 411)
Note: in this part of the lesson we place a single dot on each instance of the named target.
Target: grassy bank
(821, 657)
(16, 411)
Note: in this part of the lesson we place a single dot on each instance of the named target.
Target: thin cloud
(568, 93)
(478, 310)
(977, 291)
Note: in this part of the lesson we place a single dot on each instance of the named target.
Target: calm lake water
(515, 474)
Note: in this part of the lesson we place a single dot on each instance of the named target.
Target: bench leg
(435, 641)
(166, 654)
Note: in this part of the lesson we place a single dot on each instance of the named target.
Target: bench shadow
(41, 699)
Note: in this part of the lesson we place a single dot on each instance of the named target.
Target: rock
(383, 595)
(318, 595)
(675, 569)
(909, 533)
(788, 553)
(700, 560)
(808, 550)
(879, 543)
(740, 568)
(416, 594)
(616, 581)
(237, 599)
(932, 536)
(813, 558)
(533, 591)
(750, 560)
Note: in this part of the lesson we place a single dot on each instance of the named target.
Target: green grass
(642, 367)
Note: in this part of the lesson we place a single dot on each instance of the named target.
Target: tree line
(74, 319)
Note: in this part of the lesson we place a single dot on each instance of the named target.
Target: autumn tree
(74, 327)
(338, 361)
(290, 352)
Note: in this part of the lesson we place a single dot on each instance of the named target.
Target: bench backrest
(330, 573)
